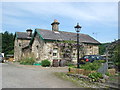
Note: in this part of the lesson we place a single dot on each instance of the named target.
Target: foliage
(116, 56)
(95, 76)
(108, 74)
(114, 53)
(101, 61)
(79, 82)
(67, 47)
(113, 49)
(45, 63)
(70, 64)
(7, 43)
(91, 66)
(27, 61)
(102, 48)
(67, 41)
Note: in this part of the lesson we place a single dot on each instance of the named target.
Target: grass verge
(78, 82)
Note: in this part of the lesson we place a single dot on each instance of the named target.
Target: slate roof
(22, 35)
(61, 35)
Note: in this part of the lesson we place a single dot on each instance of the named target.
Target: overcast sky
(98, 19)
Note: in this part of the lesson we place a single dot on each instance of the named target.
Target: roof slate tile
(62, 35)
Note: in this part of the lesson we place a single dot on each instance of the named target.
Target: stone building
(53, 44)
(21, 41)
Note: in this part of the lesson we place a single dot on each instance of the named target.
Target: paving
(26, 76)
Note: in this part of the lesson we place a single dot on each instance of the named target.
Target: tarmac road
(20, 76)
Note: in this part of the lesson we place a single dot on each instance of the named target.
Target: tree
(116, 56)
(7, 43)
(102, 48)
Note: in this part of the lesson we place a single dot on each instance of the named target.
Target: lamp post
(77, 29)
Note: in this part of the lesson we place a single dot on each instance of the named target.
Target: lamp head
(77, 27)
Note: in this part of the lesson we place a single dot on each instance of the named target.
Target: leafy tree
(116, 56)
(7, 43)
(102, 48)
(114, 53)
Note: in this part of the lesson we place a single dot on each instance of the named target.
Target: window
(55, 51)
(73, 53)
(54, 54)
(86, 57)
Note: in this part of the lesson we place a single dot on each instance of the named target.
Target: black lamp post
(77, 29)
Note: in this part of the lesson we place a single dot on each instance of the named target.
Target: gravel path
(20, 76)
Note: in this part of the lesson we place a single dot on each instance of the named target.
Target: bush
(101, 61)
(70, 64)
(95, 76)
(91, 66)
(108, 74)
(45, 63)
(27, 61)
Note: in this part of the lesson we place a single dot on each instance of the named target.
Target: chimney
(29, 32)
(55, 25)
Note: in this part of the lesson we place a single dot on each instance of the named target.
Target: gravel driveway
(20, 76)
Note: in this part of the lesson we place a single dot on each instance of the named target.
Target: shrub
(95, 76)
(70, 64)
(27, 61)
(91, 66)
(45, 63)
(101, 61)
(108, 74)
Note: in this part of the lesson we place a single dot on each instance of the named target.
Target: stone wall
(92, 49)
(46, 49)
(50, 50)
(17, 50)
(18, 43)
(42, 49)
(26, 52)
(37, 48)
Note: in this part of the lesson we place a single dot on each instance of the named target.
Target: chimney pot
(55, 26)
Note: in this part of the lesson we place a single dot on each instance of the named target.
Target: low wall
(86, 72)
(80, 71)
(112, 71)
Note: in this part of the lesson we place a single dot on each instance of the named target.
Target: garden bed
(80, 80)
(87, 72)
